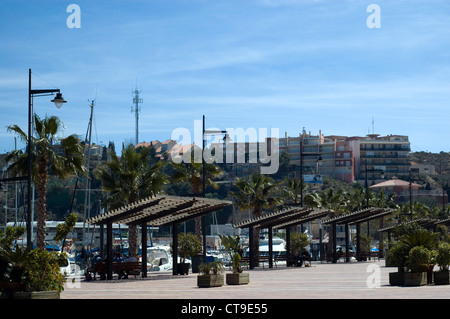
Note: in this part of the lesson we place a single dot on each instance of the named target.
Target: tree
(192, 173)
(292, 191)
(45, 158)
(129, 178)
(62, 230)
(256, 194)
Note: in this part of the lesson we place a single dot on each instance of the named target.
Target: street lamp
(59, 101)
(205, 132)
(319, 158)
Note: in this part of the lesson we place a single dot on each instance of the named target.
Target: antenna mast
(136, 109)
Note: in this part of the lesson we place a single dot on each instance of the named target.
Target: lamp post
(204, 133)
(366, 186)
(319, 158)
(59, 101)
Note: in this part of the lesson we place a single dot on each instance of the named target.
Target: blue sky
(284, 64)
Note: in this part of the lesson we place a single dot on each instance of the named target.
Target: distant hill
(439, 160)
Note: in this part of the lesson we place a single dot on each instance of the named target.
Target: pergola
(355, 218)
(159, 210)
(284, 218)
(426, 223)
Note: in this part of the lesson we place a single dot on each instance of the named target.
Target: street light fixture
(59, 101)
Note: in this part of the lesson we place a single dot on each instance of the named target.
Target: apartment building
(382, 155)
(349, 158)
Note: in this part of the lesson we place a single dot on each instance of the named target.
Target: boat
(159, 258)
(218, 255)
(278, 247)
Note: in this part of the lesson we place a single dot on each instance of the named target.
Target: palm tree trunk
(132, 240)
(132, 231)
(198, 228)
(256, 232)
(41, 203)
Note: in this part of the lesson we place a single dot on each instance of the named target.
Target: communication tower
(136, 109)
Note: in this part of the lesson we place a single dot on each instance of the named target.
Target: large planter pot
(416, 279)
(196, 262)
(238, 279)
(9, 288)
(396, 278)
(13, 286)
(183, 269)
(51, 294)
(407, 278)
(442, 277)
(205, 281)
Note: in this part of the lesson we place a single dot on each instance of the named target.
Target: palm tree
(292, 191)
(357, 199)
(192, 173)
(256, 194)
(128, 178)
(45, 158)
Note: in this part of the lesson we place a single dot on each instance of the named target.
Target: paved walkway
(360, 280)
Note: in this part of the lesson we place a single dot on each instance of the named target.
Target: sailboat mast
(88, 164)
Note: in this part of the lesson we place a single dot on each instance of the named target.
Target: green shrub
(418, 257)
(299, 241)
(443, 256)
(43, 270)
(231, 244)
(397, 256)
(215, 267)
(188, 246)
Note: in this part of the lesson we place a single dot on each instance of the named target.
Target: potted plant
(237, 277)
(188, 246)
(210, 275)
(299, 242)
(396, 257)
(413, 254)
(28, 274)
(419, 261)
(43, 276)
(442, 277)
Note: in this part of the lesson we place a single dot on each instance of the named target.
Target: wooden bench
(292, 260)
(372, 254)
(123, 269)
(259, 259)
(329, 256)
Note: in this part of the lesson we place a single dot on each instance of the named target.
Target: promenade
(356, 280)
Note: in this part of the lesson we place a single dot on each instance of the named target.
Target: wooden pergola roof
(422, 222)
(283, 218)
(160, 210)
(360, 216)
